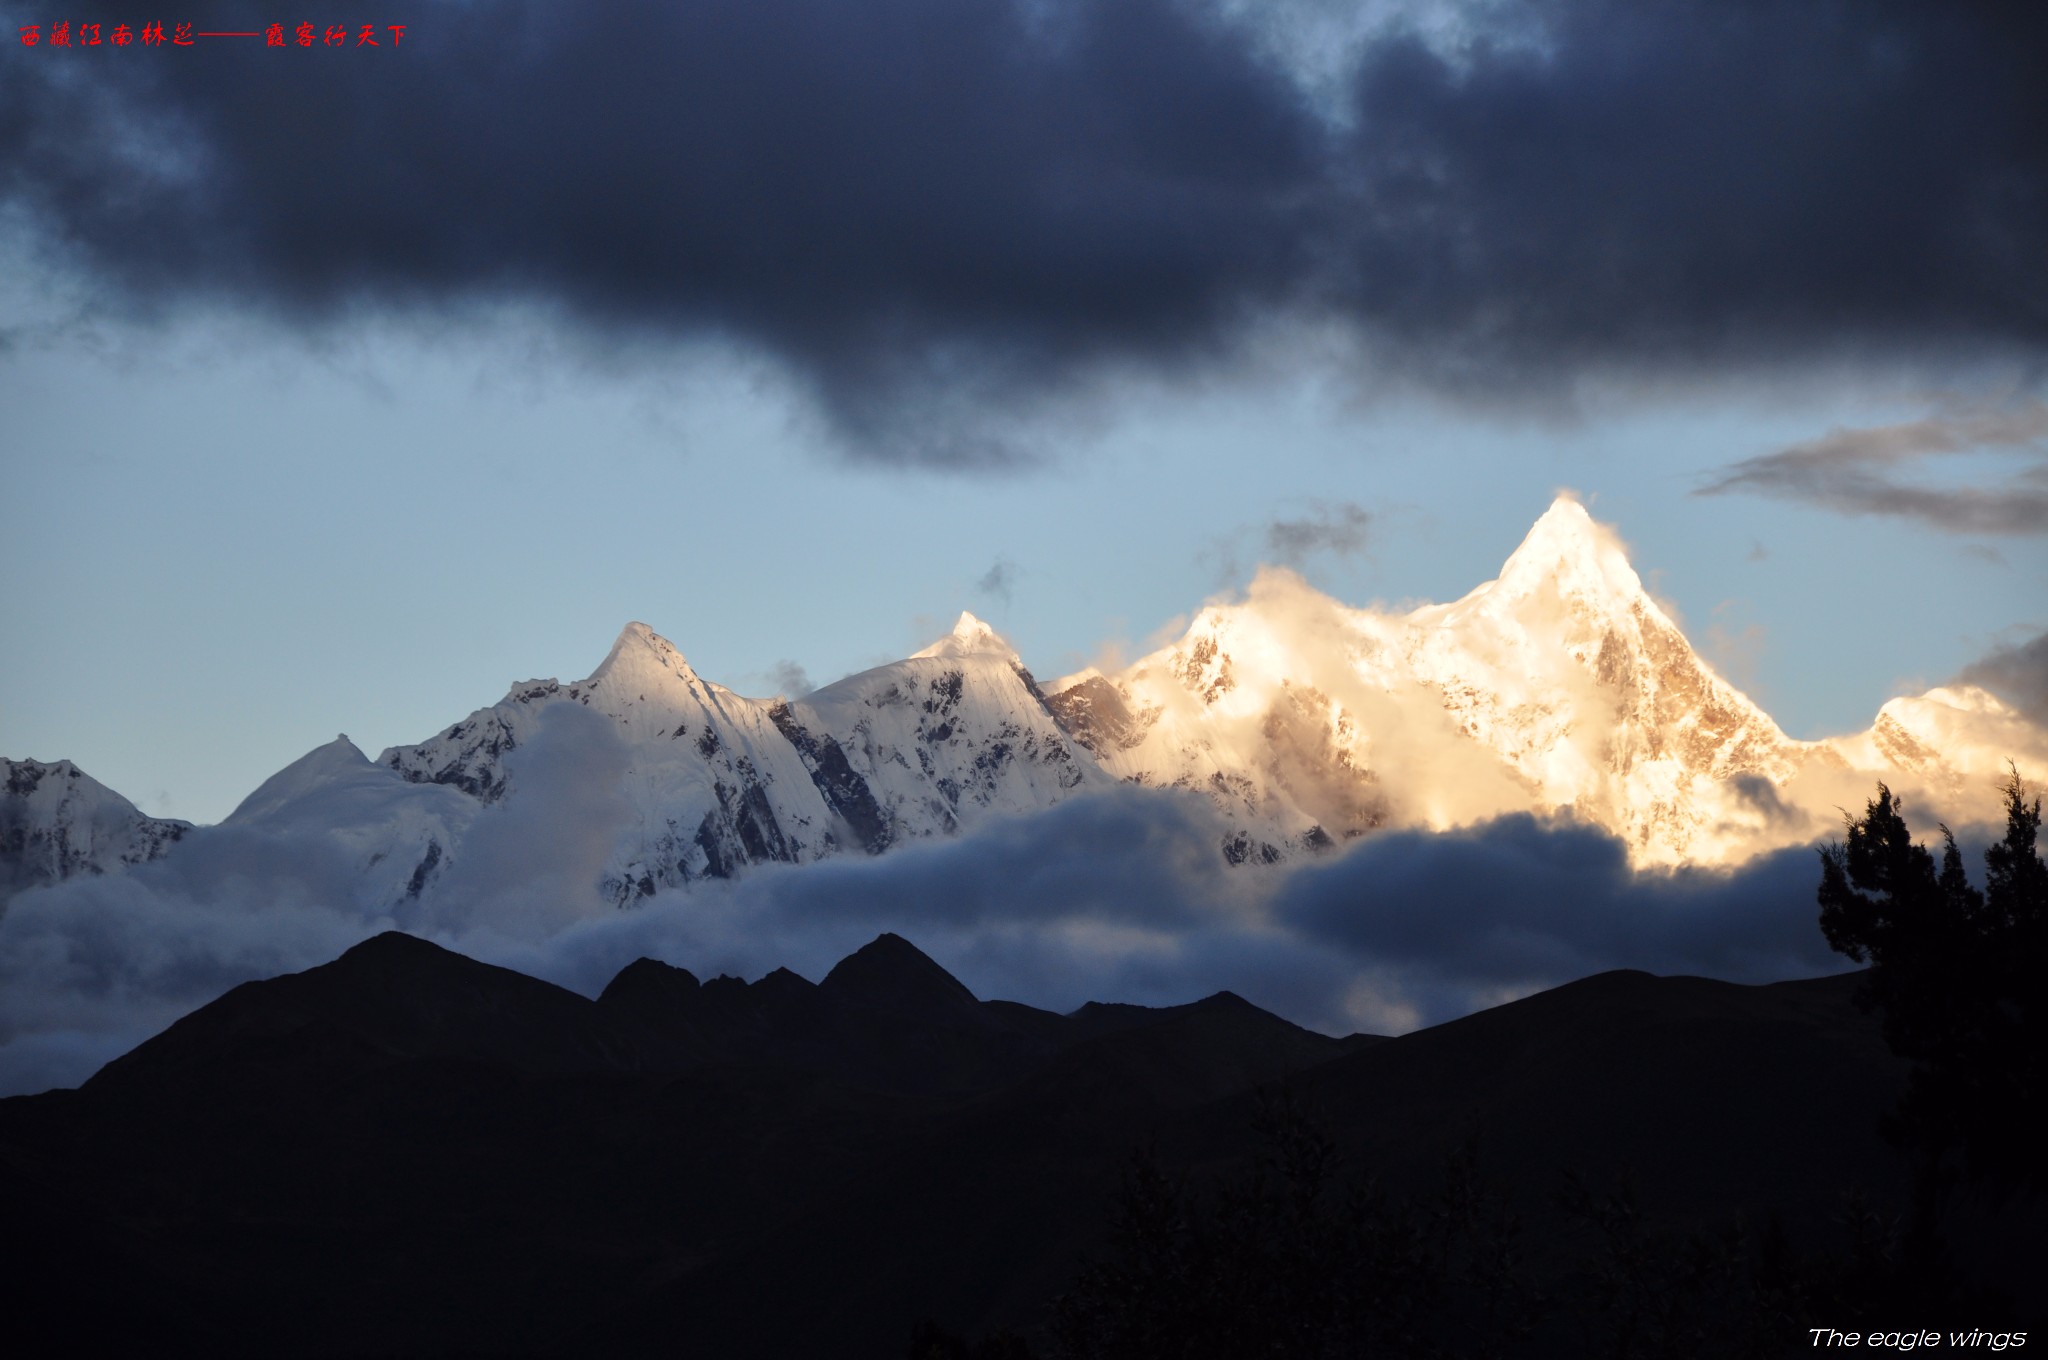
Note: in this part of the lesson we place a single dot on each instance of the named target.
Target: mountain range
(1561, 687)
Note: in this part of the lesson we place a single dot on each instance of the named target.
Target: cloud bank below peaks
(1121, 895)
(925, 209)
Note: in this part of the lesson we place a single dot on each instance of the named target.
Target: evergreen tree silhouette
(1958, 977)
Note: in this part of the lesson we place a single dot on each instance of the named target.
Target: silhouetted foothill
(892, 974)
(391, 999)
(409, 1152)
(650, 981)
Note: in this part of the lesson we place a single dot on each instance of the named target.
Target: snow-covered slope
(57, 822)
(400, 836)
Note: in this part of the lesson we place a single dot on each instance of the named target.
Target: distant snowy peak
(1568, 669)
(640, 663)
(469, 755)
(58, 822)
(950, 735)
(318, 770)
(712, 781)
(398, 836)
(970, 637)
(1950, 735)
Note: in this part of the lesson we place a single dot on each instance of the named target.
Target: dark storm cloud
(1857, 471)
(1517, 903)
(2018, 674)
(929, 210)
(1340, 530)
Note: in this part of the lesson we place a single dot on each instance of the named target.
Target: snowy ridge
(1562, 687)
(718, 781)
(58, 822)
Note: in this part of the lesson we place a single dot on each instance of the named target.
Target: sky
(342, 387)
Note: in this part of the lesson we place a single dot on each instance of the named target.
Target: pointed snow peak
(339, 754)
(639, 652)
(971, 637)
(1570, 552)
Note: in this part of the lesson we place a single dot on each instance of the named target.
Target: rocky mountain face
(58, 822)
(1562, 687)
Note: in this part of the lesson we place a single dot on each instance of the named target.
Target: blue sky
(399, 383)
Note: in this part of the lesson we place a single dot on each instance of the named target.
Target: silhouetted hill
(409, 1152)
(1714, 1097)
(891, 974)
(390, 999)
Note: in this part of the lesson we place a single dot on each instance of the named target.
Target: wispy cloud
(1337, 530)
(1342, 529)
(791, 680)
(999, 582)
(1864, 471)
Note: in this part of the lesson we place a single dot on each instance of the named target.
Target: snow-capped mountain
(1561, 684)
(952, 735)
(58, 822)
(712, 781)
(1561, 687)
(716, 781)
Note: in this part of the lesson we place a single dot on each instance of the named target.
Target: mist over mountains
(1361, 818)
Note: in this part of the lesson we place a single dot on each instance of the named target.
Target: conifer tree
(1957, 974)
